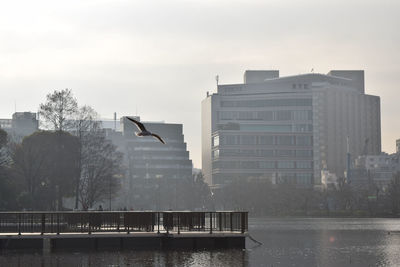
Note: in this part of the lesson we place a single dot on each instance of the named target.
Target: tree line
(262, 198)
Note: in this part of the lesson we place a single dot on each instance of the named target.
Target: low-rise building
(378, 169)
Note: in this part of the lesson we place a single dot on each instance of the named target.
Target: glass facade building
(277, 128)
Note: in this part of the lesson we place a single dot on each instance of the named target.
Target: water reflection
(286, 242)
(326, 242)
(235, 258)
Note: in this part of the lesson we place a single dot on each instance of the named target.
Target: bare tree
(85, 125)
(59, 109)
(6, 186)
(101, 169)
(3, 143)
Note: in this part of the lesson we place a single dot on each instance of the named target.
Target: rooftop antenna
(217, 79)
(312, 70)
(115, 121)
(348, 163)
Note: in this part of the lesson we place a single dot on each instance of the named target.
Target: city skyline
(111, 54)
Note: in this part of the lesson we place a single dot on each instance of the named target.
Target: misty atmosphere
(199, 133)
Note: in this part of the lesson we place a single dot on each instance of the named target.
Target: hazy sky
(160, 57)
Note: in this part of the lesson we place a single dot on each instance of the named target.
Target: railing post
(82, 222)
(90, 223)
(231, 221)
(243, 217)
(118, 217)
(43, 223)
(158, 222)
(179, 223)
(211, 225)
(220, 221)
(167, 222)
(58, 223)
(127, 218)
(51, 222)
(32, 230)
(19, 224)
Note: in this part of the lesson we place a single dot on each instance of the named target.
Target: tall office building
(148, 162)
(149, 158)
(288, 129)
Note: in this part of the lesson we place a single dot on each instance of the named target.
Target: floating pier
(97, 230)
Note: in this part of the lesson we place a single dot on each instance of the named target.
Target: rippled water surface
(286, 242)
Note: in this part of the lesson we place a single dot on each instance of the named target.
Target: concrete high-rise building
(22, 124)
(148, 162)
(288, 129)
(149, 158)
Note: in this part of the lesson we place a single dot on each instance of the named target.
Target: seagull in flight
(143, 131)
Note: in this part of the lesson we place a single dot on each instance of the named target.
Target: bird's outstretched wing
(158, 137)
(138, 124)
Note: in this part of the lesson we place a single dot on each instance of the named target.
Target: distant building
(398, 146)
(378, 169)
(149, 158)
(288, 129)
(22, 124)
(146, 159)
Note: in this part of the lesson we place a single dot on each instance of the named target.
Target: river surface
(285, 242)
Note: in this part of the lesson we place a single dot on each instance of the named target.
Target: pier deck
(122, 230)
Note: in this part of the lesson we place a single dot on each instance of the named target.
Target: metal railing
(124, 221)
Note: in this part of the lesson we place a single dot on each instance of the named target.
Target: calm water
(286, 242)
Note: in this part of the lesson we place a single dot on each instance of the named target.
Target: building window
(285, 153)
(266, 153)
(283, 115)
(267, 128)
(302, 115)
(303, 140)
(268, 103)
(303, 153)
(248, 140)
(285, 140)
(265, 140)
(265, 115)
(304, 178)
(216, 141)
(267, 164)
(302, 128)
(230, 140)
(285, 164)
(216, 153)
(303, 164)
(249, 164)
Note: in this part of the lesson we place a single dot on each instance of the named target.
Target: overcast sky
(160, 57)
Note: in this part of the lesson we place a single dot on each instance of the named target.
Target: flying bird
(143, 131)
